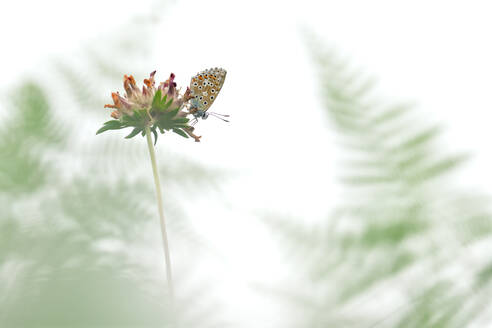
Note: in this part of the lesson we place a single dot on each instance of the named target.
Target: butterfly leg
(189, 131)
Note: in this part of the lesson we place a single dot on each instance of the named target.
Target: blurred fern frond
(79, 239)
(383, 257)
(27, 132)
(69, 248)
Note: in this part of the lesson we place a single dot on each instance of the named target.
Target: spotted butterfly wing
(205, 86)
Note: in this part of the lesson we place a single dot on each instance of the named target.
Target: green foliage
(74, 225)
(28, 130)
(111, 125)
(159, 103)
(53, 269)
(159, 116)
(401, 228)
(180, 132)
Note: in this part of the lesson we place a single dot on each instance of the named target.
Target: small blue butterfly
(205, 86)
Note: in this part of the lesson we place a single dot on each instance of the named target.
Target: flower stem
(161, 213)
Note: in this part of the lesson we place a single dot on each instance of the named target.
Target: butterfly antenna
(220, 116)
(194, 121)
(224, 115)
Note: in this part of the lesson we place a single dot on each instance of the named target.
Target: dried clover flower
(161, 108)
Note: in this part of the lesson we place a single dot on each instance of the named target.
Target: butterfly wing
(206, 85)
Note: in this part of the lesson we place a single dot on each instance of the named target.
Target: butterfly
(205, 86)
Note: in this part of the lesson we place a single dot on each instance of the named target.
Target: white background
(435, 53)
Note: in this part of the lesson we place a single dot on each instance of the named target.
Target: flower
(161, 108)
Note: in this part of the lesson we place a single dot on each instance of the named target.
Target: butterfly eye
(213, 90)
(200, 87)
(201, 97)
(211, 97)
(204, 83)
(195, 84)
(204, 102)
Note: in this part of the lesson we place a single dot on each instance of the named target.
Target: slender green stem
(161, 213)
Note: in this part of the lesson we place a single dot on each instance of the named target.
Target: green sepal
(166, 106)
(136, 119)
(170, 114)
(156, 102)
(111, 125)
(180, 120)
(155, 135)
(112, 122)
(159, 103)
(138, 114)
(180, 132)
(133, 133)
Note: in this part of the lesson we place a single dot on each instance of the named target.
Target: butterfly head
(201, 114)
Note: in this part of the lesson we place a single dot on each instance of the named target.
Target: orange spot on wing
(200, 77)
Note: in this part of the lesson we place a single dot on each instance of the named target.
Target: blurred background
(350, 189)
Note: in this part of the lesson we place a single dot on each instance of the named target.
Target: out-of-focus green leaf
(134, 132)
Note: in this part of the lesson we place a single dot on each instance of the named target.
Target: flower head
(161, 108)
